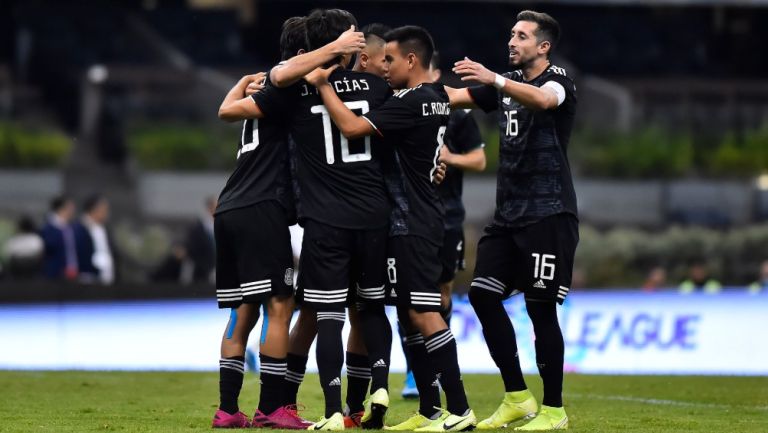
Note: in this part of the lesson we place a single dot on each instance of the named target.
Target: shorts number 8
(391, 271)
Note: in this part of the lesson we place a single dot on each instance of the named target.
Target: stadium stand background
(99, 74)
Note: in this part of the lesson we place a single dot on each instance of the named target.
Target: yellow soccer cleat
(375, 410)
(515, 406)
(412, 423)
(549, 418)
(335, 422)
(451, 422)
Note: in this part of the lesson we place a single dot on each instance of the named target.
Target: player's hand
(439, 176)
(254, 87)
(445, 155)
(319, 76)
(473, 71)
(254, 82)
(349, 42)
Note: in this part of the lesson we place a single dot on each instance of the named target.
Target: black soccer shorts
(451, 255)
(413, 269)
(339, 267)
(536, 260)
(254, 259)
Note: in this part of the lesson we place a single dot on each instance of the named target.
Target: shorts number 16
(547, 266)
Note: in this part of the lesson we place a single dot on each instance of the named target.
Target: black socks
(231, 372)
(377, 334)
(424, 374)
(330, 357)
(272, 378)
(499, 336)
(358, 377)
(441, 348)
(297, 365)
(549, 350)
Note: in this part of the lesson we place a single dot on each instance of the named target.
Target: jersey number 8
(440, 144)
(328, 132)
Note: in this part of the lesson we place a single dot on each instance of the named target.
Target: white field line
(660, 402)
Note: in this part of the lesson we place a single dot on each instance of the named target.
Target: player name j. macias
(435, 109)
(341, 86)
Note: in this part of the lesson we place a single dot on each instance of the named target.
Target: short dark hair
(26, 224)
(92, 201)
(293, 37)
(59, 202)
(549, 29)
(413, 39)
(435, 62)
(376, 30)
(325, 25)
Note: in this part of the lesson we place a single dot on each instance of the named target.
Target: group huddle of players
(354, 152)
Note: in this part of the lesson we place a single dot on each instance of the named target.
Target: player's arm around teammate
(291, 71)
(532, 97)
(238, 105)
(350, 124)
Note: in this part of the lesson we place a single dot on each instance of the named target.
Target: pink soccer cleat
(224, 420)
(287, 417)
(261, 420)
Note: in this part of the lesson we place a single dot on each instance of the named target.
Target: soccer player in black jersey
(413, 122)
(530, 245)
(369, 59)
(344, 209)
(463, 151)
(255, 209)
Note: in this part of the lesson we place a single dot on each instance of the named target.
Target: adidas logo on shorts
(539, 285)
(335, 382)
(379, 363)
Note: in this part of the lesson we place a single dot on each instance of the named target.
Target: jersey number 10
(254, 143)
(328, 132)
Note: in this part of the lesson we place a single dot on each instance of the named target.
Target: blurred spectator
(657, 279)
(200, 244)
(172, 267)
(60, 257)
(24, 251)
(94, 247)
(699, 280)
(579, 278)
(762, 283)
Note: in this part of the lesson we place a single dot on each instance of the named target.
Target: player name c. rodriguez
(435, 109)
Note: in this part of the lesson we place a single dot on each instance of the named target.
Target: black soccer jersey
(461, 136)
(534, 178)
(340, 180)
(414, 121)
(262, 171)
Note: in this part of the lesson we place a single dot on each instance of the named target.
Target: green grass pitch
(185, 402)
